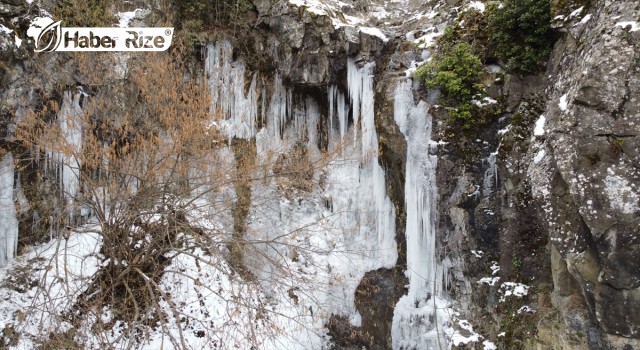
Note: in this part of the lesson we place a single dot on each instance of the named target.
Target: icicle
(331, 93)
(342, 111)
(361, 94)
(425, 272)
(226, 85)
(490, 181)
(355, 81)
(61, 158)
(372, 180)
(8, 220)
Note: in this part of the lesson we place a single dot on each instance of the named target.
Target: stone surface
(587, 184)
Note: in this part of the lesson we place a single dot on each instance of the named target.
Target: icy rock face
(587, 182)
(8, 221)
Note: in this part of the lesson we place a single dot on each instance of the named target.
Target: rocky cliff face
(586, 183)
(546, 196)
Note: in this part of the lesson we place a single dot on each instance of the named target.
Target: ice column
(424, 301)
(490, 181)
(226, 81)
(63, 154)
(8, 221)
(372, 184)
(338, 113)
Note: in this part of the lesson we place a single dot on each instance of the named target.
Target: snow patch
(374, 32)
(563, 104)
(5, 30)
(539, 128)
(585, 19)
(513, 289)
(458, 339)
(635, 26)
(477, 5)
(491, 281)
(539, 156)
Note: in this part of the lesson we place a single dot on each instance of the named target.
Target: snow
(477, 5)
(563, 104)
(505, 130)
(576, 12)
(61, 267)
(8, 220)
(125, 17)
(539, 128)
(585, 19)
(5, 30)
(458, 339)
(374, 32)
(635, 26)
(488, 345)
(313, 6)
(526, 309)
(513, 289)
(539, 156)
(495, 268)
(428, 39)
(485, 102)
(491, 281)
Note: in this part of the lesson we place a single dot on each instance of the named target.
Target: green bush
(521, 31)
(457, 71)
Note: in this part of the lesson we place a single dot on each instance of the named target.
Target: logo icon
(52, 36)
(43, 29)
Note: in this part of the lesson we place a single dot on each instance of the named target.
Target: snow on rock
(539, 128)
(374, 32)
(576, 12)
(5, 30)
(633, 25)
(485, 102)
(585, 19)
(495, 268)
(459, 339)
(491, 281)
(488, 345)
(513, 289)
(539, 156)
(477, 5)
(563, 104)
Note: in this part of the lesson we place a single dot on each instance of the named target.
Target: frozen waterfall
(8, 221)
(62, 155)
(419, 316)
(237, 111)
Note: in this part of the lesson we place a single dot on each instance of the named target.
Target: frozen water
(8, 220)
(412, 327)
